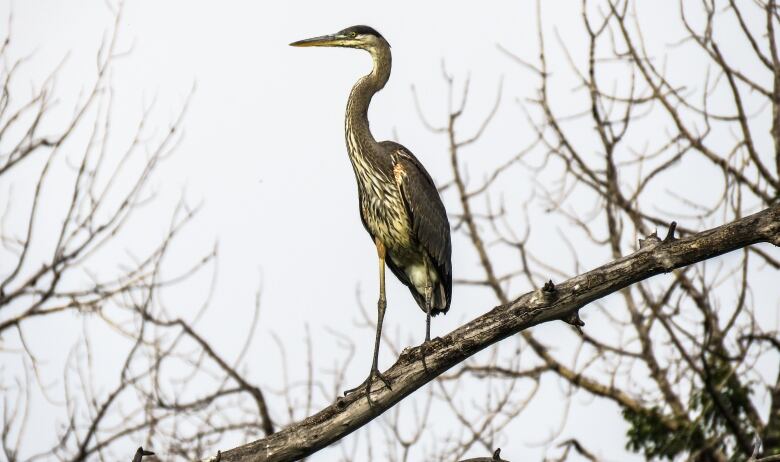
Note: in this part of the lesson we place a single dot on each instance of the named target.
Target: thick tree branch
(408, 373)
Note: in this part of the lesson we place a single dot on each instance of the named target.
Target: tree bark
(561, 302)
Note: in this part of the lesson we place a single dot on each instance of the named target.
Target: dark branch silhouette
(561, 302)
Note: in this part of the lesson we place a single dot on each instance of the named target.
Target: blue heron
(399, 204)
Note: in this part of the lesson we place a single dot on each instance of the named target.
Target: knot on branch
(653, 240)
(650, 241)
(140, 453)
(670, 234)
(496, 458)
(549, 292)
(546, 295)
(575, 320)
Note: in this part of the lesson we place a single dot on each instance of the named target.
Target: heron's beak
(321, 41)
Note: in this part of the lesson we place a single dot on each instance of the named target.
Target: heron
(399, 203)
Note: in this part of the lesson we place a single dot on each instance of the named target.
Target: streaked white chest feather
(381, 203)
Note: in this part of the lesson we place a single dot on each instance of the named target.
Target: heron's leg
(428, 290)
(425, 345)
(381, 307)
(428, 296)
(428, 301)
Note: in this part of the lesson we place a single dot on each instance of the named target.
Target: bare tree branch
(561, 302)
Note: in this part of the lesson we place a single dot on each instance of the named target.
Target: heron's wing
(426, 211)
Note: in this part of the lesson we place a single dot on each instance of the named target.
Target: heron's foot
(369, 381)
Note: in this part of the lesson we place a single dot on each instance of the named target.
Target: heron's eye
(352, 34)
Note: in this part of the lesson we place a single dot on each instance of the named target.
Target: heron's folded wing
(426, 211)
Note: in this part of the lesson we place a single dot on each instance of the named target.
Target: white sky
(264, 152)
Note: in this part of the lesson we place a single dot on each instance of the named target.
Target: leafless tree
(73, 194)
(682, 344)
(698, 335)
(684, 355)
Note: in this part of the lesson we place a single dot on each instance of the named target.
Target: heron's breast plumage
(381, 205)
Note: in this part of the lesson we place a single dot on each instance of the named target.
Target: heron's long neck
(360, 142)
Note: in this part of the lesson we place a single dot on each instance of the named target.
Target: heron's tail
(440, 299)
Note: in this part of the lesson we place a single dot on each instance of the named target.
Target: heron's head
(363, 37)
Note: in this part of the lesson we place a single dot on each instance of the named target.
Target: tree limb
(562, 302)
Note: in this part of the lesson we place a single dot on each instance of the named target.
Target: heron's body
(388, 178)
(399, 204)
(385, 216)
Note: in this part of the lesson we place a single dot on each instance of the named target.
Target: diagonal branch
(561, 302)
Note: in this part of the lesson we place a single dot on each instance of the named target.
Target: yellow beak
(321, 41)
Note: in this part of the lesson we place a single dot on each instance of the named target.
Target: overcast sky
(264, 153)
